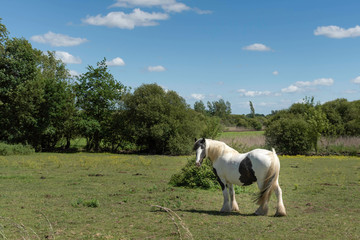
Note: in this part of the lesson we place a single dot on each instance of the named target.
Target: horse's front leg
(226, 205)
(233, 203)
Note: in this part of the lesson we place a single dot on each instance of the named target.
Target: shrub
(289, 136)
(192, 176)
(17, 149)
(255, 124)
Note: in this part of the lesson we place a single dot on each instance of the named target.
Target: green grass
(106, 196)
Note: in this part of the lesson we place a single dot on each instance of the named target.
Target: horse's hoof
(280, 214)
(225, 210)
(235, 209)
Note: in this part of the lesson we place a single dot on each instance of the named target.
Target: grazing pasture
(107, 196)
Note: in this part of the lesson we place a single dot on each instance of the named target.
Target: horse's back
(261, 156)
(261, 161)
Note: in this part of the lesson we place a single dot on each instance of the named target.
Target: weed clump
(195, 177)
(93, 203)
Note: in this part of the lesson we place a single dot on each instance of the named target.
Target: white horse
(231, 167)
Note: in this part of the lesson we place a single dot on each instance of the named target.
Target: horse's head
(200, 148)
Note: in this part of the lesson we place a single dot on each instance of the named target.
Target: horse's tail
(270, 180)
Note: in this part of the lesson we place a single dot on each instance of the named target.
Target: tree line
(297, 130)
(42, 105)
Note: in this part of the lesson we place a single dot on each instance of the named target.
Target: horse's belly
(237, 172)
(229, 172)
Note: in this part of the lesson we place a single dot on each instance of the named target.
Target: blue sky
(273, 53)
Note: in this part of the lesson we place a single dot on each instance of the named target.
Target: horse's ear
(195, 139)
(202, 140)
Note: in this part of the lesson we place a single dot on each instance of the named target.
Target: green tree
(252, 109)
(3, 35)
(199, 106)
(290, 135)
(21, 92)
(98, 95)
(343, 117)
(298, 129)
(219, 109)
(57, 110)
(159, 121)
(35, 97)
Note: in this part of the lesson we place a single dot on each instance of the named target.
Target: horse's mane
(215, 149)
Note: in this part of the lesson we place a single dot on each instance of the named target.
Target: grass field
(105, 196)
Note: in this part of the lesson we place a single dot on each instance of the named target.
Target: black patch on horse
(219, 180)
(247, 174)
(200, 143)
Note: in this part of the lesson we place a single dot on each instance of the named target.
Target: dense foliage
(192, 176)
(160, 121)
(41, 105)
(297, 130)
(98, 95)
(36, 100)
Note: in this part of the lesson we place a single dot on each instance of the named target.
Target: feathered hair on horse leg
(270, 181)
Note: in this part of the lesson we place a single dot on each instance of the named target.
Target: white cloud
(67, 57)
(305, 85)
(158, 68)
(127, 21)
(58, 40)
(116, 62)
(257, 47)
(337, 32)
(291, 89)
(175, 7)
(275, 73)
(197, 96)
(356, 80)
(246, 93)
(166, 5)
(202, 12)
(323, 82)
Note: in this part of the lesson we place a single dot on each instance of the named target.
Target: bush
(289, 136)
(17, 149)
(255, 124)
(192, 176)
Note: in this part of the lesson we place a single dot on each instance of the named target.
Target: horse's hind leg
(263, 208)
(233, 203)
(280, 208)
